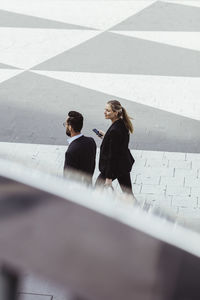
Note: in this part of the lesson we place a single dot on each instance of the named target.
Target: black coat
(115, 157)
(81, 155)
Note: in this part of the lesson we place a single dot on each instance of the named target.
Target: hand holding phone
(97, 132)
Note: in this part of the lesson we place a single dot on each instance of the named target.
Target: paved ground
(60, 55)
(169, 179)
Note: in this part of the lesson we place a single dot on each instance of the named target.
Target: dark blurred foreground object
(94, 255)
(8, 284)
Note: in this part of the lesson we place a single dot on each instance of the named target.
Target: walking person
(81, 153)
(115, 160)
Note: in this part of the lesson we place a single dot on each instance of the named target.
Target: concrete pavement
(169, 179)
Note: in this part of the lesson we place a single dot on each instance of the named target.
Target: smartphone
(97, 132)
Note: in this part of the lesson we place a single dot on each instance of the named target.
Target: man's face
(68, 128)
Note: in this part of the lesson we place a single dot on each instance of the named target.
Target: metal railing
(91, 241)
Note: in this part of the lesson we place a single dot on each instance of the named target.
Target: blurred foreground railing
(93, 242)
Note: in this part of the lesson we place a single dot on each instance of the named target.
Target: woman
(115, 160)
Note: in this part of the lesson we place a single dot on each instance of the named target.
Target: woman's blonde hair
(121, 113)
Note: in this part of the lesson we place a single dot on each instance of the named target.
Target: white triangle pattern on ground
(189, 40)
(178, 95)
(27, 47)
(6, 74)
(184, 2)
(96, 14)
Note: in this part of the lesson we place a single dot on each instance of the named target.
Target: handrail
(81, 239)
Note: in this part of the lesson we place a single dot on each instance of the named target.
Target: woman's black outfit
(115, 160)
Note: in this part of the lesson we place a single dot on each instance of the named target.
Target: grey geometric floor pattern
(33, 106)
(38, 108)
(163, 16)
(126, 55)
(10, 19)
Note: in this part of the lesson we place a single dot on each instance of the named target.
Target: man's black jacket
(81, 155)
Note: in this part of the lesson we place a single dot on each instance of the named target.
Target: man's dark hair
(75, 119)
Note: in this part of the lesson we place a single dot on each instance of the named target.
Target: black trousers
(124, 181)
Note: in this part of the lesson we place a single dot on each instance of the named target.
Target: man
(81, 153)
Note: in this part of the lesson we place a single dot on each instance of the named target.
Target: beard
(68, 133)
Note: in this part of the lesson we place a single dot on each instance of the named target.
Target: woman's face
(109, 113)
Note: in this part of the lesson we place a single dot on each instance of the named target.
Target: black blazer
(81, 155)
(115, 157)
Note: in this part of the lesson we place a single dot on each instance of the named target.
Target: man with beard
(81, 153)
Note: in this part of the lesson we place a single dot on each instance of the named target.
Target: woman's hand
(108, 182)
(102, 133)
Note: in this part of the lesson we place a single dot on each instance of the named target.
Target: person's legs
(101, 180)
(125, 183)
